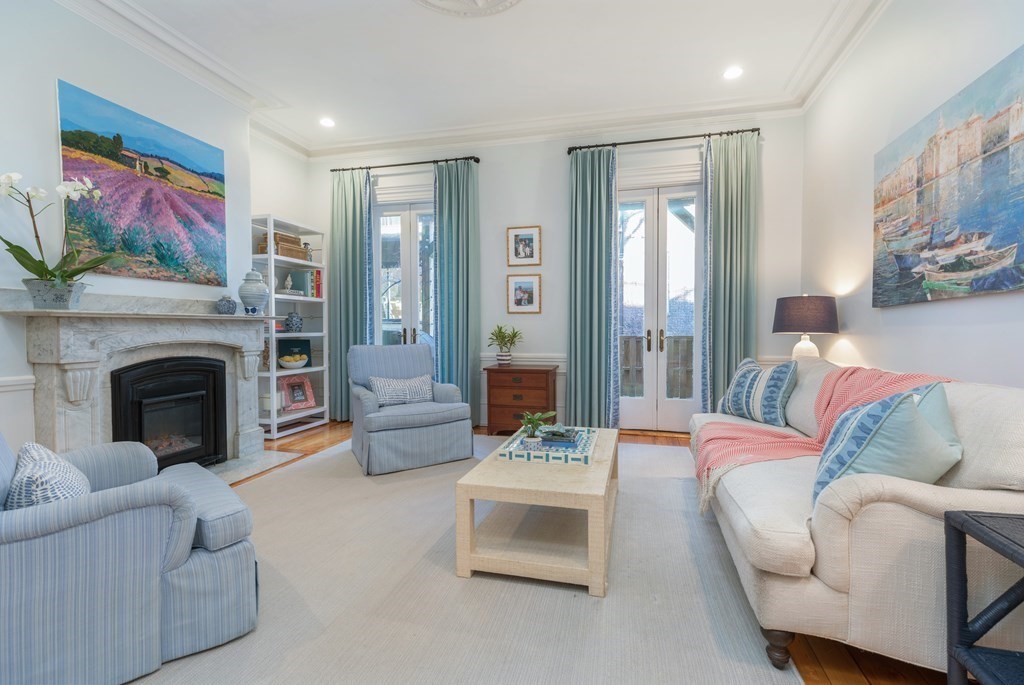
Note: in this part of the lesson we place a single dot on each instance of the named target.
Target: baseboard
(17, 410)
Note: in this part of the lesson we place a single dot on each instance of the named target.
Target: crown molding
(867, 20)
(273, 135)
(146, 33)
(562, 127)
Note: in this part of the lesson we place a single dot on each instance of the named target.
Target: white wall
(527, 183)
(44, 42)
(918, 55)
(280, 181)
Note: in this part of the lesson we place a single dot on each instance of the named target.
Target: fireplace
(176, 406)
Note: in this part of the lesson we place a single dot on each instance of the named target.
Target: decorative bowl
(291, 365)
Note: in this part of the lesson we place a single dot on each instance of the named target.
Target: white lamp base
(805, 348)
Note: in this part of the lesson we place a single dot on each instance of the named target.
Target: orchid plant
(67, 268)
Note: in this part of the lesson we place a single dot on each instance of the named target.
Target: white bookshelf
(276, 420)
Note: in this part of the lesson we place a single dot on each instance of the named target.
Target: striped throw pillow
(402, 390)
(41, 476)
(760, 394)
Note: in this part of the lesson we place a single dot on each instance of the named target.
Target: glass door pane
(389, 285)
(632, 272)
(425, 275)
(680, 311)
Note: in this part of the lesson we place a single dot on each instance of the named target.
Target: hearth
(176, 406)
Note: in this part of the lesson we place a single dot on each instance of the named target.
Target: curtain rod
(662, 140)
(426, 161)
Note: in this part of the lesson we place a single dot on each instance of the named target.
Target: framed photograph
(288, 347)
(298, 392)
(523, 246)
(523, 293)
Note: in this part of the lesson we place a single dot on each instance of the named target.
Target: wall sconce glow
(735, 71)
(327, 122)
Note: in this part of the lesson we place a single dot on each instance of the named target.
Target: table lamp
(806, 314)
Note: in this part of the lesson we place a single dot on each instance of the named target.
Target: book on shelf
(318, 283)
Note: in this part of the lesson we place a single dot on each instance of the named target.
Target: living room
(828, 86)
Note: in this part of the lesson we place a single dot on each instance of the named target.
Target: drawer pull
(517, 397)
(517, 379)
(518, 417)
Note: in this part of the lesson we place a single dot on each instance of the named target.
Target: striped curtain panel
(457, 286)
(592, 376)
(350, 280)
(732, 179)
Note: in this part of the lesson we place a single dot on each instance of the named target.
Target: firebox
(176, 406)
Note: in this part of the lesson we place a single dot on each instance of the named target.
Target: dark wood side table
(512, 390)
(1003, 533)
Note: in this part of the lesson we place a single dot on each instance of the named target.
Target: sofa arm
(447, 393)
(845, 499)
(114, 464)
(29, 523)
(363, 401)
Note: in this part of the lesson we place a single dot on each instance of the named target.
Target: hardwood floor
(819, 661)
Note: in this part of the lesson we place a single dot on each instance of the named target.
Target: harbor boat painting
(162, 211)
(949, 196)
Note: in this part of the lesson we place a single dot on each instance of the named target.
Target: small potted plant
(532, 423)
(53, 287)
(504, 339)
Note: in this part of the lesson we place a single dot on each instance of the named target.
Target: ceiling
(395, 72)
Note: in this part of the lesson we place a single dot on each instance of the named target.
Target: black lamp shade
(806, 314)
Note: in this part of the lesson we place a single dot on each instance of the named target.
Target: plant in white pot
(504, 339)
(56, 286)
(532, 423)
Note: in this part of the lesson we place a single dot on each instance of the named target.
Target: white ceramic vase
(253, 293)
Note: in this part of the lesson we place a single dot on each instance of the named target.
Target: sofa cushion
(402, 390)
(908, 435)
(698, 421)
(759, 394)
(41, 477)
(810, 374)
(415, 415)
(222, 518)
(990, 422)
(767, 508)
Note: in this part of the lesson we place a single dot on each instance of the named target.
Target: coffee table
(550, 521)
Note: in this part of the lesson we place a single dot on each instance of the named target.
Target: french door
(404, 269)
(660, 269)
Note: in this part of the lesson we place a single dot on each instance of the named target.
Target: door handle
(414, 336)
(661, 340)
(404, 338)
(648, 339)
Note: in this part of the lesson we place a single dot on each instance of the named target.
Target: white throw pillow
(42, 476)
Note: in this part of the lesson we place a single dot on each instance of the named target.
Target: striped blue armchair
(105, 587)
(404, 436)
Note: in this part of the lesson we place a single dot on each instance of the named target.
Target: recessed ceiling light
(735, 71)
(327, 122)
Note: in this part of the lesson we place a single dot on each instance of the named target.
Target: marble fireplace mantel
(73, 353)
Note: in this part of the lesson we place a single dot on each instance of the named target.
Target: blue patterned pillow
(760, 394)
(41, 476)
(402, 390)
(909, 435)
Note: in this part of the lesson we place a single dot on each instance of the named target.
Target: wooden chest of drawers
(512, 390)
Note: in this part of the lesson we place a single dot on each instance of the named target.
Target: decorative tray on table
(579, 452)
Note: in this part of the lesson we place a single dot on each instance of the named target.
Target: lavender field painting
(162, 210)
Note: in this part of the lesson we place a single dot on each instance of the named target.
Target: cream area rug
(358, 585)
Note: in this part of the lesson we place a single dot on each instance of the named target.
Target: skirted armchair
(409, 435)
(104, 587)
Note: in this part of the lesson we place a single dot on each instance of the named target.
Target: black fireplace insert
(176, 406)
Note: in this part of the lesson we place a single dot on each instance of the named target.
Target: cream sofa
(865, 565)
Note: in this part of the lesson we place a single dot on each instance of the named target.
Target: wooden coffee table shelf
(550, 521)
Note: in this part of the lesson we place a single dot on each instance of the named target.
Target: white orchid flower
(88, 183)
(34, 192)
(5, 190)
(62, 191)
(96, 194)
(10, 178)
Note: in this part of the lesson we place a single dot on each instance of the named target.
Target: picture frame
(522, 246)
(522, 293)
(298, 392)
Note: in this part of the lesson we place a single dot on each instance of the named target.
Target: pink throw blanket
(724, 446)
